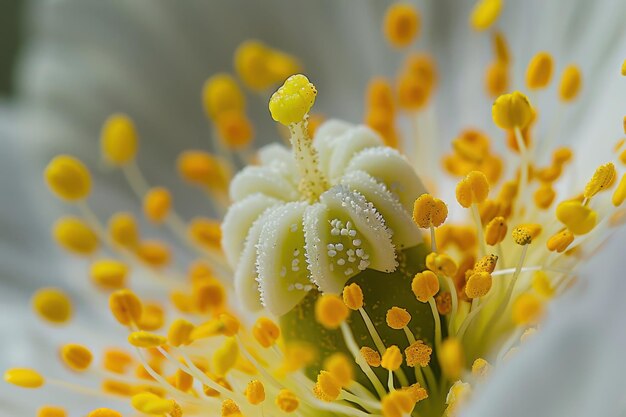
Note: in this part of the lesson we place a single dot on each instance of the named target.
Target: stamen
(571, 83)
(485, 13)
(539, 71)
(401, 24)
(52, 305)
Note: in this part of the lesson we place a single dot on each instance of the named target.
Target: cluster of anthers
(371, 316)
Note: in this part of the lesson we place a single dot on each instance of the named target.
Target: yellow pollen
(418, 353)
(149, 403)
(179, 333)
(123, 230)
(544, 196)
(221, 94)
(287, 401)
(152, 317)
(562, 155)
(620, 192)
(24, 378)
(413, 91)
(154, 253)
(340, 367)
(330, 311)
(473, 189)
(104, 412)
(291, 102)
(117, 361)
(441, 263)
(539, 71)
(443, 300)
(485, 13)
(157, 204)
(119, 140)
(371, 356)
(522, 236)
(417, 392)
(481, 368)
(125, 306)
(478, 284)
(542, 285)
(624, 68)
(51, 411)
(327, 388)
(497, 78)
(527, 310)
(495, 231)
(260, 66)
(52, 305)
(429, 211)
(109, 273)
(452, 358)
(401, 24)
(203, 169)
(74, 235)
(68, 178)
(353, 296)
(500, 47)
(225, 357)
(183, 381)
(76, 357)
(601, 180)
(380, 95)
(230, 324)
(143, 339)
(397, 318)
(266, 332)
(230, 409)
(392, 358)
(571, 83)
(486, 264)
(235, 130)
(578, 218)
(255, 392)
(560, 241)
(425, 285)
(397, 404)
(511, 111)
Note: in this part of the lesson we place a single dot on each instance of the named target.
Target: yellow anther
(153, 253)
(624, 68)
(327, 387)
(353, 296)
(76, 357)
(481, 368)
(149, 403)
(392, 358)
(157, 204)
(206, 232)
(511, 111)
(522, 236)
(495, 232)
(109, 273)
(371, 356)
(291, 102)
(443, 301)
(486, 264)
(221, 94)
(578, 218)
(123, 230)
(620, 192)
(571, 83)
(287, 401)
(602, 179)
(413, 91)
(527, 310)
(330, 311)
(497, 78)
(534, 229)
(429, 211)
(179, 333)
(539, 71)
(235, 130)
(24, 378)
(143, 339)
(418, 353)
(452, 358)
(183, 381)
(423, 67)
(397, 318)
(209, 296)
(114, 387)
(255, 392)
(379, 95)
(416, 392)
(203, 169)
(68, 178)
(560, 241)
(425, 285)
(473, 189)
(119, 140)
(401, 24)
(74, 235)
(230, 409)
(340, 367)
(125, 306)
(117, 361)
(440, 263)
(485, 13)
(500, 47)
(225, 357)
(397, 403)
(52, 305)
(542, 285)
(562, 155)
(266, 332)
(478, 284)
(104, 412)
(152, 317)
(260, 66)
(230, 324)
(544, 196)
(51, 411)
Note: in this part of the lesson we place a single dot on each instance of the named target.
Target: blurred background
(11, 12)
